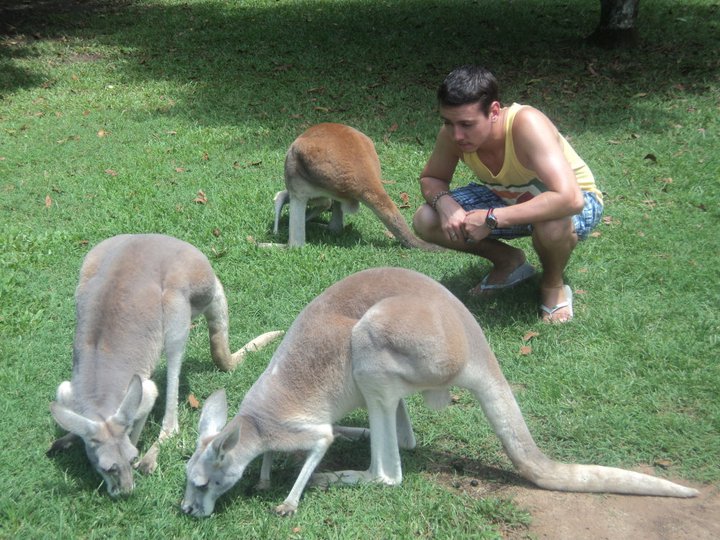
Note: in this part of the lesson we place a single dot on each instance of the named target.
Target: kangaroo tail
(255, 344)
(505, 417)
(387, 212)
(598, 479)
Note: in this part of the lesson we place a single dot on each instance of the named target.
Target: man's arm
(435, 179)
(538, 148)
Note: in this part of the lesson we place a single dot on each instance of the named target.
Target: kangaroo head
(107, 443)
(214, 468)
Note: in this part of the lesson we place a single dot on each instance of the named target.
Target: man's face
(466, 125)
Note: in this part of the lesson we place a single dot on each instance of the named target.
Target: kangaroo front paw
(286, 509)
(62, 444)
(148, 463)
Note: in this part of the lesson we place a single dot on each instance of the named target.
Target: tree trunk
(618, 24)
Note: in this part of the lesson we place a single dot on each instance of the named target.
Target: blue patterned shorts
(477, 197)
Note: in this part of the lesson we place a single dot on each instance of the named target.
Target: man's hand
(452, 217)
(473, 226)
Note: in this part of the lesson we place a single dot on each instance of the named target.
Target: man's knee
(424, 221)
(555, 231)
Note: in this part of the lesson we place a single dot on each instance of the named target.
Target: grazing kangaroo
(369, 341)
(137, 297)
(336, 166)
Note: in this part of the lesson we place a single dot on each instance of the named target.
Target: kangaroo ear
(226, 439)
(73, 422)
(214, 414)
(127, 412)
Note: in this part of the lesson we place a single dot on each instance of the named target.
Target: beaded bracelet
(436, 198)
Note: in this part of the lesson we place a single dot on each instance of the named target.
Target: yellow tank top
(516, 184)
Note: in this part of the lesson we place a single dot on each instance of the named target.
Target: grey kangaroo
(136, 297)
(369, 341)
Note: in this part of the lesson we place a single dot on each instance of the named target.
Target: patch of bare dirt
(589, 516)
(573, 516)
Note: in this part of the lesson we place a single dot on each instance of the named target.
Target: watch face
(491, 221)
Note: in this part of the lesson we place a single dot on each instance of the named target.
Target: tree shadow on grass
(302, 62)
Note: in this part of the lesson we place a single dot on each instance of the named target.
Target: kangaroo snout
(195, 509)
(121, 487)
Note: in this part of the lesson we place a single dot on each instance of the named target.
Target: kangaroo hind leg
(405, 434)
(388, 416)
(384, 454)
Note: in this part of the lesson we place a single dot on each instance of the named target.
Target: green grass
(113, 115)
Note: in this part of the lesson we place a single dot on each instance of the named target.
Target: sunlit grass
(113, 119)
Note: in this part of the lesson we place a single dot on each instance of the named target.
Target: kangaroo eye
(201, 484)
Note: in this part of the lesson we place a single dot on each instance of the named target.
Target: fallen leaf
(580, 291)
(179, 170)
(525, 350)
(609, 220)
(201, 197)
(596, 234)
(206, 156)
(666, 182)
(111, 172)
(48, 201)
(529, 335)
(405, 198)
(393, 128)
(193, 402)
(216, 232)
(664, 463)
(102, 133)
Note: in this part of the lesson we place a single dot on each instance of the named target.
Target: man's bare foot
(556, 304)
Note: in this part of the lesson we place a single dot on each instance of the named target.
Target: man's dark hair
(469, 84)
